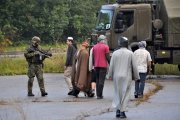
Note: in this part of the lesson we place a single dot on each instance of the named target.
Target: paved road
(15, 105)
(164, 105)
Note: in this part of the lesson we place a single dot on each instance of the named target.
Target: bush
(166, 69)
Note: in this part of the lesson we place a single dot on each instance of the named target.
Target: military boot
(43, 94)
(30, 94)
(30, 85)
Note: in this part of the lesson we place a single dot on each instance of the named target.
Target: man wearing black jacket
(71, 50)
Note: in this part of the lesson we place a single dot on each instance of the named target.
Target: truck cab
(139, 20)
(133, 21)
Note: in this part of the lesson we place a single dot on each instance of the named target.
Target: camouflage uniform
(35, 65)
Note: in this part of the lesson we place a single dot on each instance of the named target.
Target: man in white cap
(71, 50)
(122, 70)
(143, 58)
(101, 60)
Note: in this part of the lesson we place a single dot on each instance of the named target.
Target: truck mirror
(107, 26)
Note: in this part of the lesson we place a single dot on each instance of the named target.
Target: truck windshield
(104, 20)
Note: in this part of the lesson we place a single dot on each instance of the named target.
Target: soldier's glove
(50, 54)
(36, 53)
(47, 55)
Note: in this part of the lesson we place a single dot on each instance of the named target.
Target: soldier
(35, 57)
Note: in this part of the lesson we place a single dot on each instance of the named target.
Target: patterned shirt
(142, 57)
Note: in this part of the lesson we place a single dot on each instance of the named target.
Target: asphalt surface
(15, 105)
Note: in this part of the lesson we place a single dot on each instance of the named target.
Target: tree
(52, 20)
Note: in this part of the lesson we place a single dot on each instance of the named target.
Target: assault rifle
(42, 54)
(45, 53)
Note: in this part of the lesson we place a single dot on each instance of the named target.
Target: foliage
(1, 40)
(52, 20)
(4, 42)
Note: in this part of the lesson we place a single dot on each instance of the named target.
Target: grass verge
(166, 69)
(150, 92)
(18, 66)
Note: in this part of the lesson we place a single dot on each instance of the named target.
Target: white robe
(91, 67)
(122, 70)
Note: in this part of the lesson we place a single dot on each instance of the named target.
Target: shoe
(44, 94)
(140, 96)
(30, 94)
(70, 92)
(122, 115)
(135, 95)
(99, 97)
(74, 93)
(118, 113)
(90, 93)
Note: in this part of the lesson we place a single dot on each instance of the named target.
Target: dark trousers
(100, 78)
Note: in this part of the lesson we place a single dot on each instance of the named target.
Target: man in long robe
(122, 70)
(80, 72)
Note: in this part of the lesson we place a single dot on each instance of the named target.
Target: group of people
(78, 76)
(86, 69)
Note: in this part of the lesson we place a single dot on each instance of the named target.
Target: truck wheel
(179, 67)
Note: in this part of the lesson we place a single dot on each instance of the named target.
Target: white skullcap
(70, 38)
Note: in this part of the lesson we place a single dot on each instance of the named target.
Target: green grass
(15, 48)
(12, 66)
(55, 64)
(166, 69)
(16, 66)
(22, 47)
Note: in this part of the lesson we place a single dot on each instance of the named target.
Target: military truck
(157, 22)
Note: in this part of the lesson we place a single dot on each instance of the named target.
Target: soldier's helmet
(36, 40)
(123, 41)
